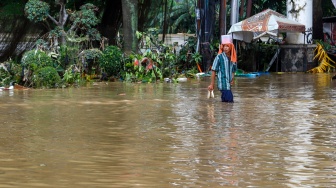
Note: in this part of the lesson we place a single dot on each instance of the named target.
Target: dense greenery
(84, 40)
(46, 77)
(111, 61)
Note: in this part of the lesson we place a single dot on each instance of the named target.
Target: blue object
(250, 75)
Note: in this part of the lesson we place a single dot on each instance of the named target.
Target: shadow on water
(280, 132)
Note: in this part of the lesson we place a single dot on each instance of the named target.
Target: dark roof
(329, 19)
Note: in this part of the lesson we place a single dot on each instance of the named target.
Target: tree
(130, 25)
(183, 16)
(317, 20)
(82, 22)
(111, 20)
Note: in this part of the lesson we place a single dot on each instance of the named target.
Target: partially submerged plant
(325, 62)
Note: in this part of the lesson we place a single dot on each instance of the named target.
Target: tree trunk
(249, 8)
(241, 11)
(130, 25)
(111, 20)
(144, 7)
(165, 21)
(207, 32)
(222, 17)
(317, 20)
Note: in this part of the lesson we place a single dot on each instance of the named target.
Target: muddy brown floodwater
(280, 132)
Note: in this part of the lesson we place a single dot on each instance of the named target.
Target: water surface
(280, 132)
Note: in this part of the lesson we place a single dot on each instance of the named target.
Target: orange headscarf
(232, 50)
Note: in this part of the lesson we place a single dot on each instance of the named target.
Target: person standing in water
(225, 66)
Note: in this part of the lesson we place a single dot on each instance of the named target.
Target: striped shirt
(224, 68)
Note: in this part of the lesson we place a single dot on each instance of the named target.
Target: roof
(329, 19)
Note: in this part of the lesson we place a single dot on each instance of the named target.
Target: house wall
(178, 40)
(300, 11)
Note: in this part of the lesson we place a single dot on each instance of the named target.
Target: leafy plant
(143, 68)
(10, 71)
(81, 22)
(36, 59)
(197, 58)
(37, 10)
(91, 57)
(46, 77)
(5, 77)
(71, 76)
(168, 64)
(111, 61)
(325, 62)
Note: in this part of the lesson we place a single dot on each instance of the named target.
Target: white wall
(302, 12)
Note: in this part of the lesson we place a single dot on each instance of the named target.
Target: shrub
(71, 76)
(46, 77)
(10, 71)
(111, 61)
(91, 55)
(36, 59)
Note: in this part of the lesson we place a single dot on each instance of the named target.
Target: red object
(136, 62)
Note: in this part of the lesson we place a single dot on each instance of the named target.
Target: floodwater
(280, 132)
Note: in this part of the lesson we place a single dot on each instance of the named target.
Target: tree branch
(53, 19)
(63, 14)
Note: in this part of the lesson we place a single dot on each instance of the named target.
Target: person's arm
(232, 81)
(234, 69)
(212, 84)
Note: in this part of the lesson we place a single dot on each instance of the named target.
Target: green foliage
(168, 63)
(185, 59)
(38, 65)
(85, 18)
(149, 39)
(140, 68)
(328, 8)
(5, 77)
(57, 32)
(196, 57)
(182, 17)
(9, 9)
(46, 77)
(37, 10)
(71, 76)
(68, 55)
(326, 45)
(92, 54)
(256, 56)
(111, 61)
(78, 27)
(94, 34)
(10, 71)
(36, 59)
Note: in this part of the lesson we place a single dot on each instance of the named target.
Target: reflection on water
(280, 132)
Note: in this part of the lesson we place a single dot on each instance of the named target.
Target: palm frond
(325, 62)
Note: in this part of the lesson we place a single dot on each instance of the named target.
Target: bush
(46, 77)
(111, 61)
(71, 76)
(10, 71)
(91, 56)
(36, 59)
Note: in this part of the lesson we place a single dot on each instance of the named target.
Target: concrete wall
(177, 40)
(297, 58)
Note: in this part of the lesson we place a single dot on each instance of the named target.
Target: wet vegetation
(62, 44)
